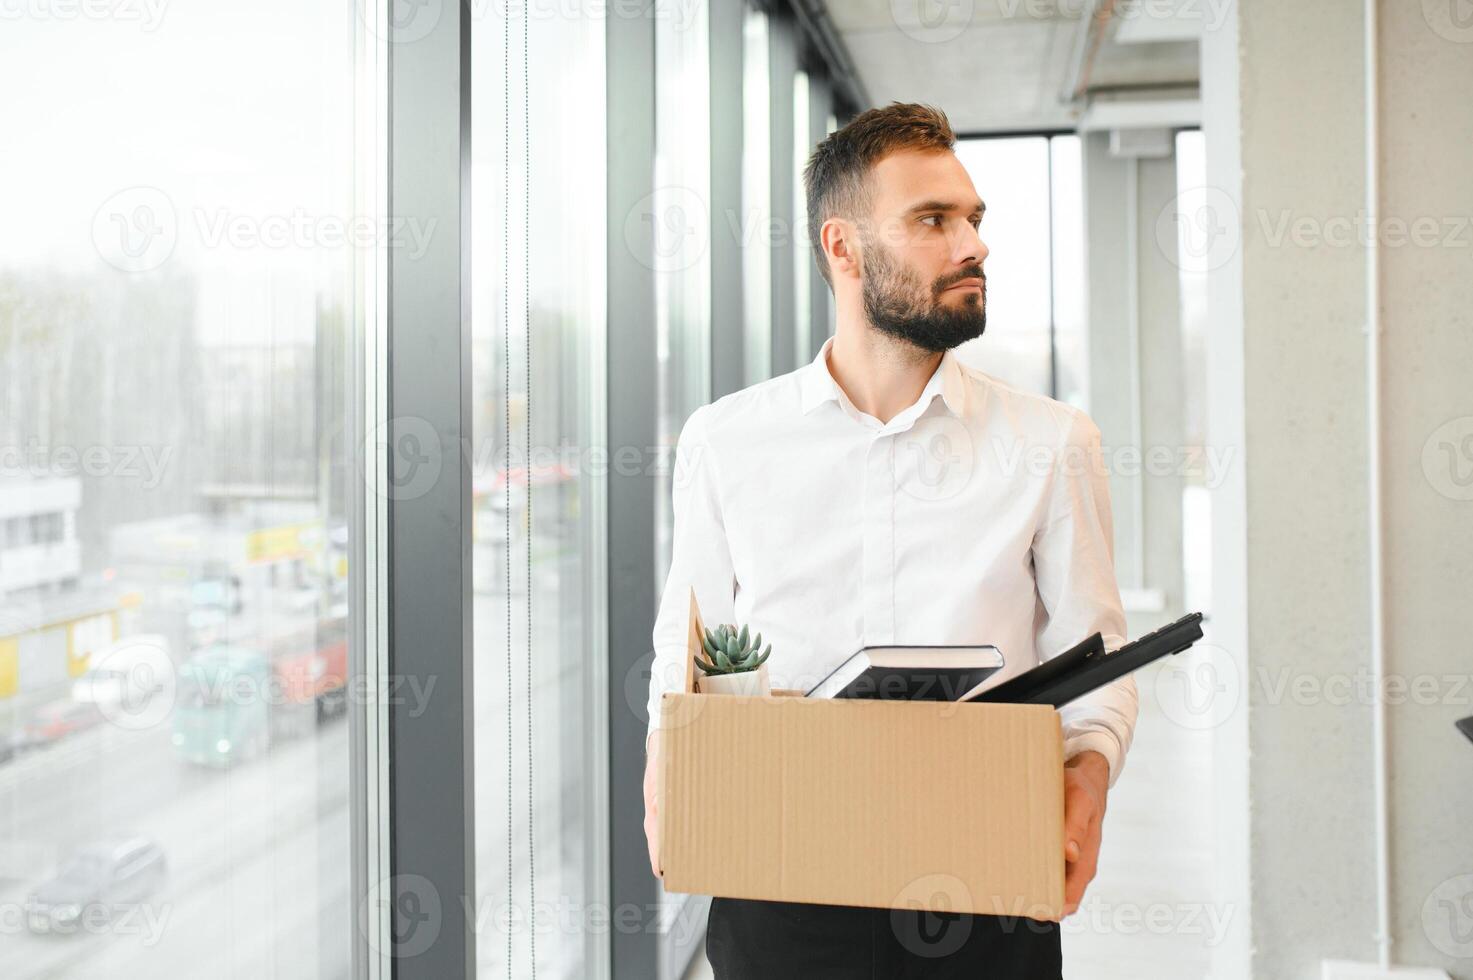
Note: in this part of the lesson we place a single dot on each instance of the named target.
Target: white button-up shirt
(978, 515)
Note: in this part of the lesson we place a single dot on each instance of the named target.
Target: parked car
(57, 720)
(100, 880)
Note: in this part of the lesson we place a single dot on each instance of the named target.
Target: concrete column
(1426, 157)
(1292, 576)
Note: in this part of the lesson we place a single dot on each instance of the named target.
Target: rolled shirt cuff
(1102, 742)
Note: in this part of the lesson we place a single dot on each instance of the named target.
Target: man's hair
(836, 178)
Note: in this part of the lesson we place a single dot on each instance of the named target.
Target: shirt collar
(948, 381)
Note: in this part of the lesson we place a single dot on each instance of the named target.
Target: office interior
(345, 347)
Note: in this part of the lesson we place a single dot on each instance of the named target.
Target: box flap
(693, 643)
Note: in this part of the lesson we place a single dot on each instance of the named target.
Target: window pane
(1012, 176)
(1192, 259)
(1071, 343)
(756, 220)
(682, 241)
(538, 527)
(802, 251)
(176, 327)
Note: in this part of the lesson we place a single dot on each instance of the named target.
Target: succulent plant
(730, 652)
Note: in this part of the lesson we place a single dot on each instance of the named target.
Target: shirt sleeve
(1074, 568)
(700, 559)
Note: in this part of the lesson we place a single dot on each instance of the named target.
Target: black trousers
(754, 940)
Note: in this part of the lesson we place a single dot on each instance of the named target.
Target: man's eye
(930, 216)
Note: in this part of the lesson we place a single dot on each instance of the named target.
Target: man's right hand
(651, 803)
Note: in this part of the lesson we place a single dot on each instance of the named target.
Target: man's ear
(838, 237)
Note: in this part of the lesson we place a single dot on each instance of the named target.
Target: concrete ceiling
(998, 65)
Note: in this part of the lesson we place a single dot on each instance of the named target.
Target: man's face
(921, 276)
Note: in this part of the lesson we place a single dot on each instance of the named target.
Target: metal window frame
(632, 384)
(368, 518)
(413, 824)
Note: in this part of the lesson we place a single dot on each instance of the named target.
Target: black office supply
(1465, 725)
(1084, 674)
(1020, 689)
(910, 673)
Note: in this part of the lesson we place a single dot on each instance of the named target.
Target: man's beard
(898, 304)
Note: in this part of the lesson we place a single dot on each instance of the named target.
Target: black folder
(1087, 667)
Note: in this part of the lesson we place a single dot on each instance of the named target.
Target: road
(258, 857)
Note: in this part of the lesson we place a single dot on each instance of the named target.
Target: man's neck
(881, 376)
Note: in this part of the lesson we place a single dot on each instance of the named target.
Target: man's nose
(970, 249)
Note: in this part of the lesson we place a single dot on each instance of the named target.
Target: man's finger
(1077, 876)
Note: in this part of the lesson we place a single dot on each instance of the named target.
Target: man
(888, 494)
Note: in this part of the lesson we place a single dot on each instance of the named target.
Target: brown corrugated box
(887, 804)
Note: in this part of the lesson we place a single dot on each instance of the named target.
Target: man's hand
(651, 804)
(1086, 781)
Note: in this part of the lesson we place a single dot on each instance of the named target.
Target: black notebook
(911, 673)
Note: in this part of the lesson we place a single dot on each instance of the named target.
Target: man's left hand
(1086, 781)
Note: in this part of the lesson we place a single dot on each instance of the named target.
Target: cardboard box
(887, 804)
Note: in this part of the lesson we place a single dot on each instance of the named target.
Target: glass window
(1071, 338)
(538, 469)
(1193, 262)
(682, 231)
(1012, 177)
(756, 216)
(176, 322)
(802, 251)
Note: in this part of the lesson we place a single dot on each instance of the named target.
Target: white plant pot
(747, 682)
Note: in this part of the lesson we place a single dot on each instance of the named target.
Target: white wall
(1291, 585)
(1427, 313)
